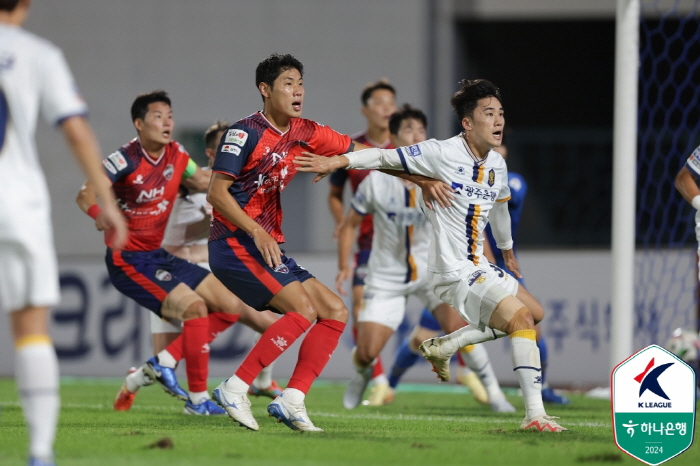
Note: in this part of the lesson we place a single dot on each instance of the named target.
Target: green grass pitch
(431, 425)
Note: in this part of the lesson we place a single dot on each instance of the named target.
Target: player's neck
(153, 149)
(277, 119)
(377, 136)
(481, 151)
(15, 17)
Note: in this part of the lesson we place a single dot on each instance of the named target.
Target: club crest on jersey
(414, 150)
(168, 172)
(460, 171)
(231, 149)
(236, 136)
(492, 177)
(477, 277)
(281, 269)
(163, 275)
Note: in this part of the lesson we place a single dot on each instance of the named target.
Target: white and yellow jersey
(34, 78)
(457, 233)
(401, 231)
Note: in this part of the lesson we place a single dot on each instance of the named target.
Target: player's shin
(315, 352)
(526, 364)
(477, 359)
(405, 358)
(468, 335)
(195, 334)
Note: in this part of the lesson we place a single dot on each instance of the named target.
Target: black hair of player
(140, 106)
(371, 87)
(270, 68)
(467, 98)
(406, 112)
(210, 141)
(8, 5)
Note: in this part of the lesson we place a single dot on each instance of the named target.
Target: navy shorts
(238, 264)
(427, 320)
(361, 260)
(148, 276)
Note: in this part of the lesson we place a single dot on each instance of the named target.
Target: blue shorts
(360, 272)
(427, 320)
(148, 276)
(238, 264)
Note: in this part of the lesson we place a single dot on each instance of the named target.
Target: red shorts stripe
(139, 278)
(254, 266)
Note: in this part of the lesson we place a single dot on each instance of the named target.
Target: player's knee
(305, 308)
(364, 357)
(521, 320)
(232, 305)
(337, 311)
(195, 310)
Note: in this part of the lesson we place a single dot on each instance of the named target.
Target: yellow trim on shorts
(39, 339)
(529, 334)
(467, 349)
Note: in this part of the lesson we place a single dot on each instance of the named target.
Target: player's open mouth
(166, 134)
(296, 106)
(497, 134)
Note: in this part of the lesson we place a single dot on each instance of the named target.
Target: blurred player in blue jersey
(518, 190)
(34, 79)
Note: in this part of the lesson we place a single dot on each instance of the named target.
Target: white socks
(380, 379)
(198, 397)
(166, 359)
(136, 380)
(468, 335)
(37, 382)
(293, 395)
(235, 384)
(526, 364)
(264, 378)
(478, 360)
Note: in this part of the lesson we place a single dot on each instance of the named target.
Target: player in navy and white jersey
(146, 174)
(486, 296)
(34, 79)
(378, 104)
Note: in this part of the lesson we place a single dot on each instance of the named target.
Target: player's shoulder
(34, 40)
(132, 150)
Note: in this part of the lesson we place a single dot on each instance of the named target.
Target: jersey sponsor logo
(150, 194)
(492, 177)
(231, 149)
(414, 150)
(118, 160)
(281, 269)
(477, 277)
(110, 168)
(236, 136)
(168, 172)
(163, 275)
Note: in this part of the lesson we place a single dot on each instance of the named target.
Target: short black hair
(270, 68)
(466, 99)
(140, 106)
(8, 5)
(375, 86)
(404, 113)
(210, 141)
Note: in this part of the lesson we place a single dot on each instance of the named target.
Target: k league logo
(653, 404)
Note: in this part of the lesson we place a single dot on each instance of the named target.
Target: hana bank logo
(649, 381)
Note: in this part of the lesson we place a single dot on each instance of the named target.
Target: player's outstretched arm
(199, 181)
(83, 143)
(221, 200)
(345, 240)
(686, 185)
(432, 190)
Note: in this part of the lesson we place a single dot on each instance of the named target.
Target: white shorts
(465, 289)
(28, 273)
(387, 307)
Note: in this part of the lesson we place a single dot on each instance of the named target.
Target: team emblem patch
(414, 150)
(231, 149)
(163, 275)
(236, 136)
(281, 269)
(477, 277)
(492, 177)
(168, 172)
(118, 160)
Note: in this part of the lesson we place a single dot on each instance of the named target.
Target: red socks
(195, 343)
(218, 322)
(274, 341)
(315, 352)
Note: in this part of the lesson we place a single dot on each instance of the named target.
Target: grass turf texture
(426, 425)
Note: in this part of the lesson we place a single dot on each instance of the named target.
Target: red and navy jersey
(145, 190)
(260, 159)
(339, 177)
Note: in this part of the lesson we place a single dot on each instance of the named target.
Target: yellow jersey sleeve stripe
(505, 199)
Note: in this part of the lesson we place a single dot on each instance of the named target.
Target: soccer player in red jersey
(378, 104)
(146, 174)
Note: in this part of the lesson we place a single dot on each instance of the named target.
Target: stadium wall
(98, 332)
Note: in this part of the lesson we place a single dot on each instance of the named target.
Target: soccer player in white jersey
(34, 77)
(186, 236)
(398, 267)
(486, 296)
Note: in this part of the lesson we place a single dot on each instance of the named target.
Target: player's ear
(264, 89)
(364, 110)
(467, 123)
(138, 124)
